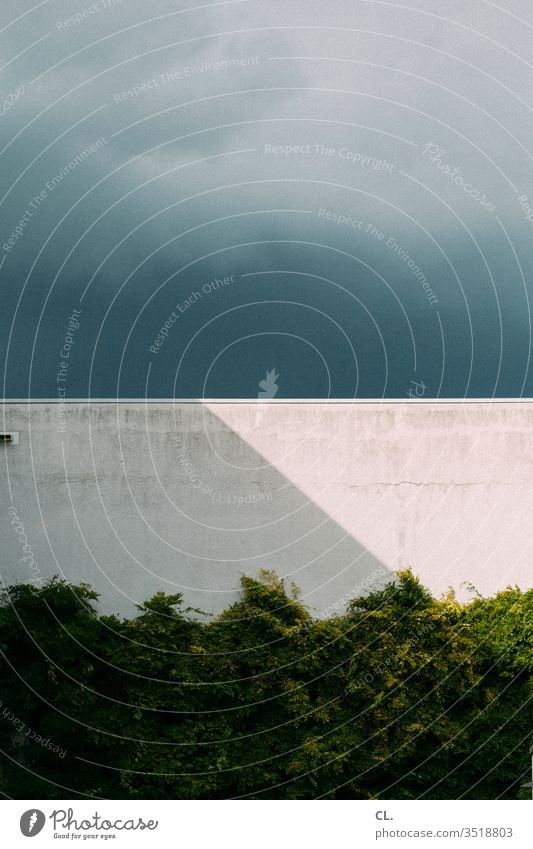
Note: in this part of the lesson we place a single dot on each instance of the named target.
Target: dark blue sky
(339, 192)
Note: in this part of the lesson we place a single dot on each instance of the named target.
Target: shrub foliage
(403, 696)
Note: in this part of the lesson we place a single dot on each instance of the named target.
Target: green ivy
(402, 696)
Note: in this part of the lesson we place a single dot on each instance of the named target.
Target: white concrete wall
(137, 497)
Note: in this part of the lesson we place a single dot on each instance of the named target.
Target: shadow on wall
(137, 498)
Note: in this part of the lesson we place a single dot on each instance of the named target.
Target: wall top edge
(256, 401)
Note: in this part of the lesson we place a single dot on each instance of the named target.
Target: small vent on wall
(11, 438)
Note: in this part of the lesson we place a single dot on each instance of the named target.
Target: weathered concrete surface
(137, 497)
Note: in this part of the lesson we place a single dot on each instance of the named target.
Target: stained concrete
(134, 497)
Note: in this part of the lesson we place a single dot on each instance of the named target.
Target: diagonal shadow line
(367, 564)
(303, 542)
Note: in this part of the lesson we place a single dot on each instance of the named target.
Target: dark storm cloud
(362, 171)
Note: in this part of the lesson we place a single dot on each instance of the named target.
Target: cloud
(233, 125)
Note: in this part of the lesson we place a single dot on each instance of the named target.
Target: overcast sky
(194, 195)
